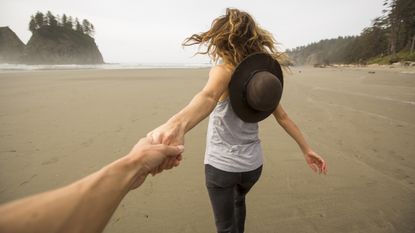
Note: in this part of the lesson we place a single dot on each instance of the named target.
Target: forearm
(84, 206)
(197, 110)
(100, 196)
(292, 129)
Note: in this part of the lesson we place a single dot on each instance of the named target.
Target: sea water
(107, 66)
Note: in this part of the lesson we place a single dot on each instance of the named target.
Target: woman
(230, 174)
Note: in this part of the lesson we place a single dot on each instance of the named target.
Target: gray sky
(152, 31)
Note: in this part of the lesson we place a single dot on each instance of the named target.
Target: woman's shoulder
(221, 70)
(220, 76)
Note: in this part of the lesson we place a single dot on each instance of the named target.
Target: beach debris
(371, 72)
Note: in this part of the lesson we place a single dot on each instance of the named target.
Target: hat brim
(252, 63)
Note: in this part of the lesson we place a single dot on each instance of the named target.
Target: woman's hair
(234, 36)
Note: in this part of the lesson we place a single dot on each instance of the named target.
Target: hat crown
(255, 88)
(263, 91)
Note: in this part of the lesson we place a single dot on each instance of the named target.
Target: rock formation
(58, 45)
(11, 47)
(49, 45)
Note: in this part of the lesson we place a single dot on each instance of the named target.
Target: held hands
(149, 156)
(315, 162)
(169, 134)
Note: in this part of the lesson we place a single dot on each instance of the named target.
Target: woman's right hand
(169, 133)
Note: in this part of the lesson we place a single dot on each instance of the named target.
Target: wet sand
(58, 126)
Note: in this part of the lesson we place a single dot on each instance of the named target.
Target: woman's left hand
(315, 162)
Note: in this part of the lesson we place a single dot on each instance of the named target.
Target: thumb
(171, 151)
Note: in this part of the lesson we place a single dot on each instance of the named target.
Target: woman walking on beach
(242, 90)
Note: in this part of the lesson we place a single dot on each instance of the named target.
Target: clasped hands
(167, 134)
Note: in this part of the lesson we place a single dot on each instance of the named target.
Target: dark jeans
(227, 192)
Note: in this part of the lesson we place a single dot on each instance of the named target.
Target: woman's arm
(313, 159)
(88, 204)
(198, 109)
(172, 132)
(205, 101)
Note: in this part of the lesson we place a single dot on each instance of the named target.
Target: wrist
(124, 171)
(307, 151)
(178, 123)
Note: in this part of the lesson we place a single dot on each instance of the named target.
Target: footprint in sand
(28, 180)
(50, 161)
(88, 142)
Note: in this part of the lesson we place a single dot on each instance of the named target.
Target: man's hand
(150, 155)
(168, 134)
(315, 162)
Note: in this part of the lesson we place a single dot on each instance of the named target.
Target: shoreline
(107, 66)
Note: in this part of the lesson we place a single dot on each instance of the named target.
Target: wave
(107, 66)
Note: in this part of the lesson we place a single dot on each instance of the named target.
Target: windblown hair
(234, 36)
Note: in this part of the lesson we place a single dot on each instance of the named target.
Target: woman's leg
(221, 185)
(247, 180)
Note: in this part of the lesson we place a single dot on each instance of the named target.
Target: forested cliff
(389, 39)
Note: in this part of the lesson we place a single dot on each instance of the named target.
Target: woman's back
(232, 144)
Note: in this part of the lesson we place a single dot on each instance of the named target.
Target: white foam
(109, 66)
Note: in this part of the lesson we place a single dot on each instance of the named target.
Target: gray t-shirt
(232, 145)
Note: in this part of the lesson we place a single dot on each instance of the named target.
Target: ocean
(108, 66)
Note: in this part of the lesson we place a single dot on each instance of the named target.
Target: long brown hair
(234, 36)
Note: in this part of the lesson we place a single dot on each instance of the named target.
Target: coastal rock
(58, 45)
(11, 47)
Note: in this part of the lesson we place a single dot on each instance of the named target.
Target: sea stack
(59, 45)
(11, 47)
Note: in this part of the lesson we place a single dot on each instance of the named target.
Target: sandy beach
(58, 126)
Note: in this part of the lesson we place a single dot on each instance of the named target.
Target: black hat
(256, 87)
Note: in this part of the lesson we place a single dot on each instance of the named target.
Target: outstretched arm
(313, 159)
(202, 104)
(88, 204)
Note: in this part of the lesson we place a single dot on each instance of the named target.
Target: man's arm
(313, 159)
(88, 204)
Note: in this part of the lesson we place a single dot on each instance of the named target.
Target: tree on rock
(64, 20)
(78, 26)
(39, 19)
(87, 26)
(32, 24)
(51, 19)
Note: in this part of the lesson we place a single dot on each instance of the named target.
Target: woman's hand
(315, 162)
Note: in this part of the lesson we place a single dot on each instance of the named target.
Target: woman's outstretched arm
(313, 159)
(172, 132)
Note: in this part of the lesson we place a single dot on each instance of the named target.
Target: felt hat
(255, 88)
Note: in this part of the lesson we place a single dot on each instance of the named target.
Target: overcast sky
(152, 31)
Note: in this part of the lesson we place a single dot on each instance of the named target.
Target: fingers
(167, 164)
(325, 171)
(322, 166)
(170, 151)
(171, 154)
(313, 167)
(317, 162)
(177, 160)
